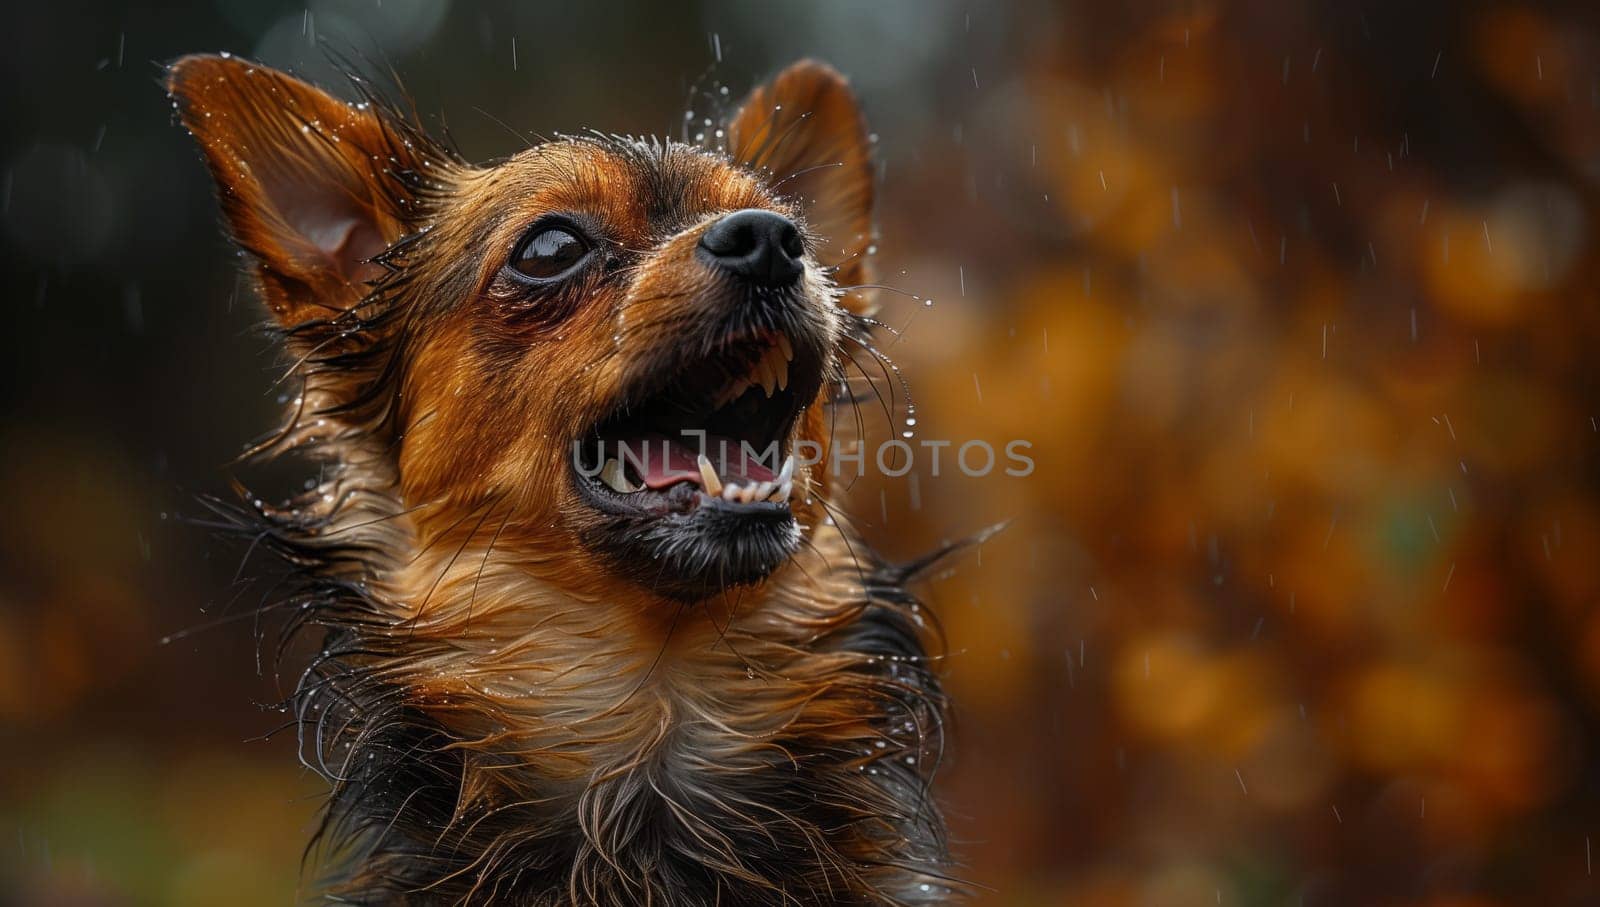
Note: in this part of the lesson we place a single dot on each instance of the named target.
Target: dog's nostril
(731, 237)
(789, 239)
(762, 247)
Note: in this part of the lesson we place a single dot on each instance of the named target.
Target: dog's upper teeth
(774, 369)
(758, 374)
(787, 472)
(611, 474)
(769, 377)
(770, 373)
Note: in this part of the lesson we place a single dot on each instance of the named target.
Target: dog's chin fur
(704, 552)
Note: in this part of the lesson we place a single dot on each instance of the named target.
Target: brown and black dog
(580, 646)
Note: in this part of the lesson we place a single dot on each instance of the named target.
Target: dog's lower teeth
(708, 476)
(777, 490)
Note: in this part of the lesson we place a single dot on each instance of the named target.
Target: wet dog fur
(522, 697)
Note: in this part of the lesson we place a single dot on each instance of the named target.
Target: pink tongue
(663, 461)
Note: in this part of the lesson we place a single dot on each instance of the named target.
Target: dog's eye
(549, 252)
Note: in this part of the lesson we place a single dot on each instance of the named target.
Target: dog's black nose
(763, 247)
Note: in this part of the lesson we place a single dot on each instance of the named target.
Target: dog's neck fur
(492, 738)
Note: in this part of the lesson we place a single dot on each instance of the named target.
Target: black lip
(678, 499)
(696, 554)
(680, 541)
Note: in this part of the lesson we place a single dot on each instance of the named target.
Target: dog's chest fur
(504, 743)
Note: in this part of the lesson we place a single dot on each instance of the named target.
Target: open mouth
(693, 482)
(719, 433)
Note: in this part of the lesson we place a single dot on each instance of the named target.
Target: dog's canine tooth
(782, 494)
(768, 380)
(757, 374)
(776, 369)
(787, 472)
(770, 372)
(611, 474)
(708, 476)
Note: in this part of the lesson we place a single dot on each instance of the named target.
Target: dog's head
(621, 343)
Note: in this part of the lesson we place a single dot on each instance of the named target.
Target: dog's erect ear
(805, 132)
(312, 187)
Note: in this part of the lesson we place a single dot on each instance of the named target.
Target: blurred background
(1295, 301)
